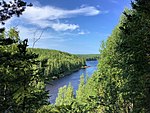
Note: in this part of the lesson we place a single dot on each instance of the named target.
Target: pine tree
(134, 50)
(22, 87)
(22, 83)
(124, 64)
(80, 94)
(65, 95)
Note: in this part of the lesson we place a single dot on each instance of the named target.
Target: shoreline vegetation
(65, 74)
(60, 64)
(89, 57)
(68, 73)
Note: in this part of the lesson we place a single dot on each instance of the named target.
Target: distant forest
(59, 63)
(89, 57)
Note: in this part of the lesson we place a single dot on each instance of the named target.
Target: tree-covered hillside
(89, 57)
(59, 63)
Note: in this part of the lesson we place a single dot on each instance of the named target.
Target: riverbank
(71, 71)
(67, 73)
(73, 78)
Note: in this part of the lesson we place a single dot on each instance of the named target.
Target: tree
(80, 92)
(15, 7)
(6, 72)
(65, 95)
(122, 79)
(134, 50)
(124, 65)
(21, 81)
(59, 63)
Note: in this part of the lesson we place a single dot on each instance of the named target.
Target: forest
(120, 85)
(89, 57)
(58, 63)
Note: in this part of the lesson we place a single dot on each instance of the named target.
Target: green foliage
(83, 102)
(65, 95)
(74, 107)
(21, 82)
(59, 63)
(80, 92)
(134, 50)
(86, 88)
(22, 87)
(120, 85)
(11, 8)
(89, 57)
(123, 70)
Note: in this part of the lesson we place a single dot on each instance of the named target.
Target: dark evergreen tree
(22, 87)
(124, 64)
(22, 82)
(134, 49)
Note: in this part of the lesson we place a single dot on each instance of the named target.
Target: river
(73, 78)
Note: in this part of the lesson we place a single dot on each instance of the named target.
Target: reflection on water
(73, 78)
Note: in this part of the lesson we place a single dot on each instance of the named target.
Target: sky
(74, 26)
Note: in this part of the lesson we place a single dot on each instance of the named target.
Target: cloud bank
(46, 16)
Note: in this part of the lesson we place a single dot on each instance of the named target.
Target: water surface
(73, 78)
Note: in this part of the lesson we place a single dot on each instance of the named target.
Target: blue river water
(73, 78)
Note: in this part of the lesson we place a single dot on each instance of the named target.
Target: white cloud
(33, 34)
(53, 13)
(46, 16)
(64, 27)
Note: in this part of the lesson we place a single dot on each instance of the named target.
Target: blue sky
(74, 26)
